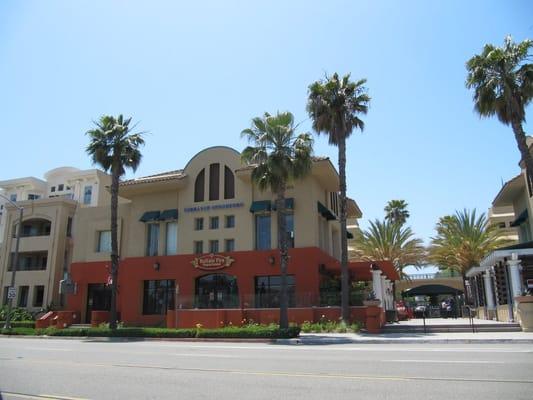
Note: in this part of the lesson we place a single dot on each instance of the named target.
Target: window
(198, 224)
(4, 298)
(38, 296)
(60, 187)
(289, 228)
(213, 223)
(229, 183)
(53, 189)
(198, 247)
(29, 261)
(213, 246)
(33, 196)
(23, 296)
(262, 232)
(229, 245)
(104, 242)
(268, 291)
(158, 297)
(87, 194)
(172, 238)
(69, 227)
(501, 225)
(13, 197)
(199, 186)
(214, 181)
(230, 221)
(152, 239)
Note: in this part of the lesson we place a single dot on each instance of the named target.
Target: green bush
(19, 324)
(21, 331)
(17, 314)
(330, 327)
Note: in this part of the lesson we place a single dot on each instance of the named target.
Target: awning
(169, 214)
(261, 205)
(428, 290)
(521, 218)
(325, 212)
(150, 216)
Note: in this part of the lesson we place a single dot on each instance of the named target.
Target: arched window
(229, 183)
(199, 186)
(214, 181)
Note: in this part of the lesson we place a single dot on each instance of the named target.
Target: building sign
(213, 207)
(212, 262)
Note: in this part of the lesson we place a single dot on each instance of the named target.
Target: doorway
(217, 291)
(98, 299)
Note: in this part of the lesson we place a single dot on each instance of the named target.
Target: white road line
(446, 361)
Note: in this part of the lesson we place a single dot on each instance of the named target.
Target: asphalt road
(85, 369)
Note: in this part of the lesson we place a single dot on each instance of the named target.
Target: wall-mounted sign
(213, 207)
(211, 262)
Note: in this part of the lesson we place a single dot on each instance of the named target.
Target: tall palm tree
(386, 240)
(462, 240)
(279, 156)
(114, 148)
(334, 105)
(503, 85)
(396, 211)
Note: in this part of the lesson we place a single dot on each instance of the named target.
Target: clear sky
(195, 73)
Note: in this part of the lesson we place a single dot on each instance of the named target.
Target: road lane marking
(39, 396)
(448, 361)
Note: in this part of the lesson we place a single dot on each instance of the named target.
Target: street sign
(11, 293)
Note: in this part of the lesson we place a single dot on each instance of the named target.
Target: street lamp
(7, 324)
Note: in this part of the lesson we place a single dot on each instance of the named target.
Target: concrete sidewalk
(409, 338)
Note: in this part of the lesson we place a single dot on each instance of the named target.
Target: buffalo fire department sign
(212, 262)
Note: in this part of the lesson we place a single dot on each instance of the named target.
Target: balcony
(30, 261)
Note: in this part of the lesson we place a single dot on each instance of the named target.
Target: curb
(312, 342)
(105, 339)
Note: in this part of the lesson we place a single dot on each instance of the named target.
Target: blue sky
(195, 73)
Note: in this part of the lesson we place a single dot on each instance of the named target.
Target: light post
(7, 324)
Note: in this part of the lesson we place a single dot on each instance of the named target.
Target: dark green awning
(169, 214)
(261, 205)
(289, 204)
(521, 219)
(349, 235)
(150, 216)
(325, 212)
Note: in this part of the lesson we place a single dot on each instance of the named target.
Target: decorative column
(489, 294)
(376, 284)
(384, 291)
(514, 273)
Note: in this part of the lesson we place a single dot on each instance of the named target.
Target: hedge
(253, 331)
(19, 324)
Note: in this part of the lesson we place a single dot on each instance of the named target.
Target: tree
(503, 86)
(279, 156)
(334, 105)
(386, 240)
(113, 147)
(462, 240)
(396, 211)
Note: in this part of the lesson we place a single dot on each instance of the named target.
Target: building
(202, 241)
(507, 272)
(46, 244)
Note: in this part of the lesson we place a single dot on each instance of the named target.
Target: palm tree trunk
(345, 284)
(114, 247)
(520, 137)
(284, 259)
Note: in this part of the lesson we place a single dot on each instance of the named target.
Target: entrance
(98, 299)
(217, 291)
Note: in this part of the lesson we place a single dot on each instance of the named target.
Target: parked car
(420, 311)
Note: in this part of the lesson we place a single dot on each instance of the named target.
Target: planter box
(524, 305)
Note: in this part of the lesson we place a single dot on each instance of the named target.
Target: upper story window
(198, 247)
(213, 246)
(214, 181)
(152, 239)
(213, 223)
(33, 196)
(13, 197)
(198, 224)
(229, 183)
(230, 221)
(104, 242)
(53, 189)
(172, 238)
(29, 261)
(60, 187)
(199, 186)
(87, 194)
(262, 232)
(36, 227)
(334, 202)
(229, 245)
(289, 226)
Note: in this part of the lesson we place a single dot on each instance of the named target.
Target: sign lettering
(212, 262)
(213, 207)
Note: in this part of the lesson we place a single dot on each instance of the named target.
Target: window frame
(99, 247)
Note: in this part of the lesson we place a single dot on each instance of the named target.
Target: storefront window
(217, 291)
(268, 290)
(262, 232)
(158, 297)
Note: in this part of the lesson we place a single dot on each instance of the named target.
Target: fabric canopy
(428, 290)
(325, 212)
(261, 205)
(150, 216)
(169, 214)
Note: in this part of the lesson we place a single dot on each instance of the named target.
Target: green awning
(150, 216)
(520, 220)
(325, 212)
(261, 205)
(349, 235)
(289, 204)
(169, 214)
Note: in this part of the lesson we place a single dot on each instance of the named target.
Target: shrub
(17, 314)
(19, 324)
(325, 326)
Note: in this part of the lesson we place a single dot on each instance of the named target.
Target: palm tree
(503, 85)
(386, 240)
(462, 240)
(114, 148)
(396, 211)
(334, 105)
(279, 156)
